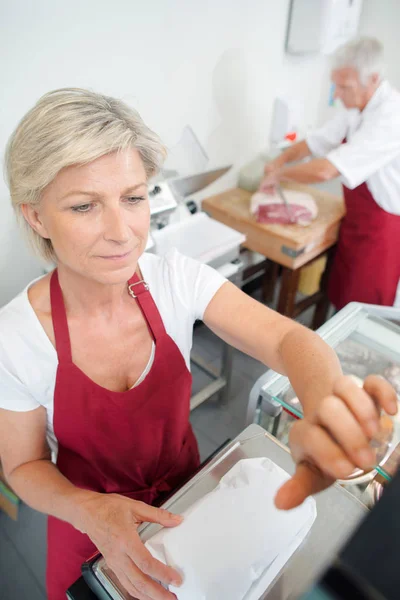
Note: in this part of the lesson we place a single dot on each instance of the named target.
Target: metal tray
(338, 513)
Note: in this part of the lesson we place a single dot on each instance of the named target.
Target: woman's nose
(115, 226)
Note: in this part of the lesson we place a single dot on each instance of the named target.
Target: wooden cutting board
(289, 245)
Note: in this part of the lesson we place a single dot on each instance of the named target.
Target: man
(362, 146)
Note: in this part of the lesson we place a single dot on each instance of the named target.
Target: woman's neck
(84, 296)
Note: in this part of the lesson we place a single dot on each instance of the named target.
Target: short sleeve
(197, 282)
(375, 144)
(329, 136)
(13, 394)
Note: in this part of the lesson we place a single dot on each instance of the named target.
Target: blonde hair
(364, 54)
(67, 127)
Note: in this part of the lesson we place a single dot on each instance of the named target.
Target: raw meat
(270, 208)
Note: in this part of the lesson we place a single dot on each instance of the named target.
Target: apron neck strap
(60, 323)
(140, 291)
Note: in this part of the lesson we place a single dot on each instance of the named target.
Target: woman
(94, 358)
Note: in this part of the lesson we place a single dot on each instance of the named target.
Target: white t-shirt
(181, 287)
(372, 152)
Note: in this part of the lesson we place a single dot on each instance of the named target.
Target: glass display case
(367, 341)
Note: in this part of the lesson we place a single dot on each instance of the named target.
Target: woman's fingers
(142, 585)
(360, 404)
(307, 480)
(148, 565)
(319, 460)
(343, 426)
(382, 393)
(152, 514)
(311, 443)
(128, 587)
(329, 444)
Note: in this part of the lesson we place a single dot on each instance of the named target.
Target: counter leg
(269, 281)
(226, 372)
(322, 307)
(289, 287)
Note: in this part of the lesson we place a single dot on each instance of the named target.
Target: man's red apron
(366, 267)
(138, 443)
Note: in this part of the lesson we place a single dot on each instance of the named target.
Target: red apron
(366, 267)
(138, 443)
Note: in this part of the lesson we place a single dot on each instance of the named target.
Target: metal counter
(338, 515)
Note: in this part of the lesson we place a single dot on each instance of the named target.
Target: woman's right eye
(82, 208)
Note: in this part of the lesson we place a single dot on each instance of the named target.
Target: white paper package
(234, 535)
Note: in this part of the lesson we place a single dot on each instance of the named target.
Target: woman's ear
(32, 216)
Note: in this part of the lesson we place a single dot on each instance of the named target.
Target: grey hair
(364, 54)
(67, 127)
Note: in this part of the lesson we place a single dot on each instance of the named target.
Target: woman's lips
(116, 257)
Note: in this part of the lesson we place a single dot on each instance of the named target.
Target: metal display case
(366, 339)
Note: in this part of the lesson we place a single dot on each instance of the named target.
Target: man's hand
(271, 175)
(270, 181)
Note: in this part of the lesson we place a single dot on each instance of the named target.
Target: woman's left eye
(135, 199)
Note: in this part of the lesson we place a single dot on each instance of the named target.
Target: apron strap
(140, 291)
(60, 323)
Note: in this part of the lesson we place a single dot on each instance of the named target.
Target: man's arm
(319, 144)
(293, 153)
(314, 171)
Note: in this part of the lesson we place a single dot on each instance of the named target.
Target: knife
(285, 202)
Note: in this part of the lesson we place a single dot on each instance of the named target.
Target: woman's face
(97, 216)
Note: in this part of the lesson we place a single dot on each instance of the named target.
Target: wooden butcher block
(289, 245)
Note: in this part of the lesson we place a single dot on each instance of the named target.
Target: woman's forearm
(311, 365)
(41, 485)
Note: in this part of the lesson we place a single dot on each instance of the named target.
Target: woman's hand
(111, 522)
(330, 443)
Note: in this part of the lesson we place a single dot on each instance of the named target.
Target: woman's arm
(27, 465)
(280, 343)
(339, 420)
(110, 520)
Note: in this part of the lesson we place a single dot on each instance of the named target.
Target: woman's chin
(108, 273)
(115, 273)
(104, 270)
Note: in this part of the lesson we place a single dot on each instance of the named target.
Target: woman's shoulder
(14, 314)
(28, 361)
(172, 264)
(19, 311)
(20, 330)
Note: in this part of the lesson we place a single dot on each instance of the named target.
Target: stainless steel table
(338, 515)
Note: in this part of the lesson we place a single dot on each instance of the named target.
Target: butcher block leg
(269, 282)
(322, 307)
(287, 296)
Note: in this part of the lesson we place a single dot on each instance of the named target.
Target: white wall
(381, 19)
(213, 64)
